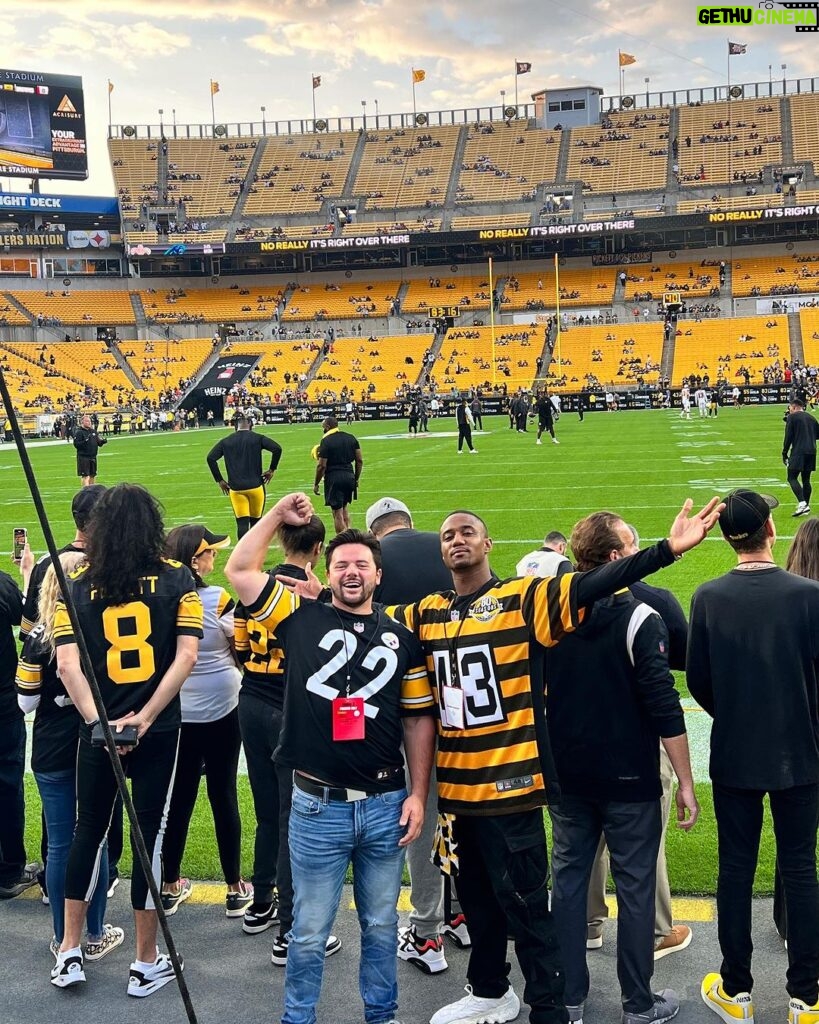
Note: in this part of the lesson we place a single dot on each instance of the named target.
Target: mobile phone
(127, 738)
(19, 540)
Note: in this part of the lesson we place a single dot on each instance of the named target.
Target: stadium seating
(161, 363)
(504, 220)
(10, 316)
(727, 345)
(199, 171)
(351, 299)
(809, 322)
(79, 307)
(352, 363)
(91, 362)
(133, 162)
(392, 227)
(709, 151)
(406, 167)
(277, 358)
(465, 359)
(691, 279)
(297, 172)
(763, 201)
(470, 293)
(506, 162)
(213, 305)
(587, 286)
(804, 125)
(37, 384)
(776, 275)
(605, 356)
(631, 154)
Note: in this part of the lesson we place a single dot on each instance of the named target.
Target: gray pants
(597, 910)
(426, 880)
(633, 832)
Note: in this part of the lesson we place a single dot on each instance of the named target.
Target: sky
(162, 54)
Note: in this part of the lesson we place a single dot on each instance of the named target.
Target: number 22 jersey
(132, 645)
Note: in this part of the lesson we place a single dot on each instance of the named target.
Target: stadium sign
(42, 126)
(103, 206)
(34, 240)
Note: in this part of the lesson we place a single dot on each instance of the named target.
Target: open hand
(687, 531)
(309, 588)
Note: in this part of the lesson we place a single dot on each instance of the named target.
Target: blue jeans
(12, 803)
(58, 792)
(326, 837)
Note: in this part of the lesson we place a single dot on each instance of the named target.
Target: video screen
(42, 126)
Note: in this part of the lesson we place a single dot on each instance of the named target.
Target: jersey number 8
(130, 657)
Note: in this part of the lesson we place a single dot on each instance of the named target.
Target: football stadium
(645, 262)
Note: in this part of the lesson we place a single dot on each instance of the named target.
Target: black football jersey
(132, 645)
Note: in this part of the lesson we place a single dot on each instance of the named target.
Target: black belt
(314, 788)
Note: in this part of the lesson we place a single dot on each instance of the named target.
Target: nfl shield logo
(454, 616)
(358, 627)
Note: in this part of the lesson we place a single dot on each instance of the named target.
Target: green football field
(641, 464)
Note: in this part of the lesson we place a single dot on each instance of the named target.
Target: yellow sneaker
(730, 1008)
(801, 1013)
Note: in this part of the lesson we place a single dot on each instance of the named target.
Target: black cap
(745, 512)
(83, 504)
(212, 540)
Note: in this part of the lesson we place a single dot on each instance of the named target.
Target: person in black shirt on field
(753, 665)
(799, 452)
(242, 452)
(339, 465)
(545, 417)
(87, 443)
(464, 418)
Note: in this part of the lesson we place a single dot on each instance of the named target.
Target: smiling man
(355, 687)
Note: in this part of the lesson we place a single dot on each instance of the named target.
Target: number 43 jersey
(323, 646)
(132, 645)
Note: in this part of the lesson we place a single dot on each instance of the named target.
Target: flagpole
(110, 90)
(313, 84)
(412, 76)
(516, 87)
(557, 312)
(212, 105)
(730, 147)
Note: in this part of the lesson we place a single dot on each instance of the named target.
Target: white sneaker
(425, 954)
(473, 451)
(555, 441)
(474, 1009)
(68, 969)
(456, 930)
(145, 983)
(538, 441)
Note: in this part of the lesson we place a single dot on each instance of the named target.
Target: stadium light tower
(503, 102)
(648, 83)
(161, 126)
(376, 114)
(364, 113)
(264, 126)
(784, 78)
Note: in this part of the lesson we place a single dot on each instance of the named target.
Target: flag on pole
(418, 75)
(523, 67)
(626, 59)
(214, 87)
(110, 86)
(316, 81)
(734, 49)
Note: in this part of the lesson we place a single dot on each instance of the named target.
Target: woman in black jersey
(53, 762)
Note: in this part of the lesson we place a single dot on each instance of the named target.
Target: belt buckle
(355, 794)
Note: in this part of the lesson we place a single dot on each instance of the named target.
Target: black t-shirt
(411, 567)
(545, 409)
(753, 665)
(87, 442)
(386, 667)
(132, 645)
(339, 449)
(56, 721)
(801, 432)
(242, 452)
(35, 584)
(11, 610)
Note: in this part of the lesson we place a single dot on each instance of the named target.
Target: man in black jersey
(242, 452)
(799, 452)
(545, 417)
(339, 465)
(87, 442)
(355, 685)
(463, 417)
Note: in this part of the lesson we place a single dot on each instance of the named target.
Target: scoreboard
(436, 312)
(42, 126)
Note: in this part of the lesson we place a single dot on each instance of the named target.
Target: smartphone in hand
(19, 540)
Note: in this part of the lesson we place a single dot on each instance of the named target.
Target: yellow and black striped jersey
(331, 653)
(132, 645)
(490, 646)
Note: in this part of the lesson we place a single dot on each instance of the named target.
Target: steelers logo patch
(485, 609)
(391, 640)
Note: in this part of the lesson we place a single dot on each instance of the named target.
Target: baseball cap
(212, 540)
(383, 507)
(745, 512)
(83, 504)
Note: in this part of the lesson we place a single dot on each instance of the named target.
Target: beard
(355, 598)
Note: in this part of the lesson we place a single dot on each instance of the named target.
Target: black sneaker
(145, 983)
(279, 954)
(171, 900)
(236, 903)
(28, 877)
(260, 916)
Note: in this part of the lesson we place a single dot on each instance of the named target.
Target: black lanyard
(349, 667)
(452, 642)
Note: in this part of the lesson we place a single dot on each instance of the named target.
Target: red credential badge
(348, 718)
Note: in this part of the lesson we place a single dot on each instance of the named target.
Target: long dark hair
(182, 543)
(803, 556)
(124, 540)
